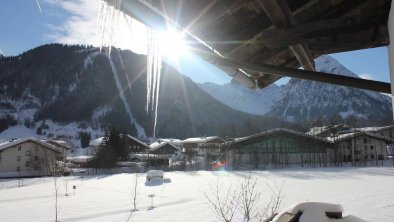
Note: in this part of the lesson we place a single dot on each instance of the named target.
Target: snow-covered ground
(367, 193)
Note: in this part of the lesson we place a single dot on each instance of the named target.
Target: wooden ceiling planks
(281, 32)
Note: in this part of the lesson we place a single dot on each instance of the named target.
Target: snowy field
(367, 193)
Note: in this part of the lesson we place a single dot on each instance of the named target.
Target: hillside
(81, 86)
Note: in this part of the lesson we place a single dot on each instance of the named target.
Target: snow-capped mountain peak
(303, 100)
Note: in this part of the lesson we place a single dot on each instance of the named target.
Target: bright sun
(172, 44)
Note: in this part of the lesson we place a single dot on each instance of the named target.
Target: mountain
(304, 100)
(237, 96)
(65, 90)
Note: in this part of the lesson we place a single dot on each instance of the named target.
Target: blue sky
(23, 26)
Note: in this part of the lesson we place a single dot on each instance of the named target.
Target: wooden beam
(217, 12)
(277, 38)
(322, 47)
(280, 14)
(252, 32)
(309, 75)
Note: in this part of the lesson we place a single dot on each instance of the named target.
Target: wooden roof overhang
(260, 41)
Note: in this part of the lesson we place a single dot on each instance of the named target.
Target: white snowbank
(364, 192)
(313, 211)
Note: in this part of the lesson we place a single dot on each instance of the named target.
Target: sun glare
(172, 44)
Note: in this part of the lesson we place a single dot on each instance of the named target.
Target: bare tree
(56, 197)
(249, 198)
(134, 191)
(244, 201)
(273, 206)
(223, 205)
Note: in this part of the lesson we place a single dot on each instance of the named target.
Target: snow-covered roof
(155, 173)
(96, 142)
(321, 129)
(346, 136)
(137, 140)
(147, 156)
(171, 140)
(237, 140)
(156, 145)
(375, 128)
(201, 139)
(12, 143)
(81, 159)
(61, 143)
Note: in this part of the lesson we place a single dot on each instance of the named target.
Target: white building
(361, 148)
(203, 145)
(30, 157)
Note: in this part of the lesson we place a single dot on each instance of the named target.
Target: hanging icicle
(107, 22)
(154, 63)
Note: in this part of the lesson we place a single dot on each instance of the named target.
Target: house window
(36, 158)
(18, 158)
(365, 140)
(18, 169)
(27, 164)
(371, 147)
(19, 148)
(27, 153)
(372, 156)
(35, 168)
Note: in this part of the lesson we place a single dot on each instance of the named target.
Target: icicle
(154, 63)
(108, 19)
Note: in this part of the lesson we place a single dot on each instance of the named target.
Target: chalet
(94, 146)
(361, 148)
(135, 145)
(29, 157)
(202, 145)
(160, 153)
(278, 148)
(175, 142)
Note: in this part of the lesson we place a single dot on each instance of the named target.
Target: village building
(384, 131)
(94, 146)
(30, 157)
(175, 142)
(327, 131)
(202, 145)
(158, 155)
(62, 146)
(135, 145)
(361, 148)
(278, 148)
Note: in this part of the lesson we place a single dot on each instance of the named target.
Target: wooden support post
(279, 13)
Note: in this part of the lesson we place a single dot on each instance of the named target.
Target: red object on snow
(219, 164)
